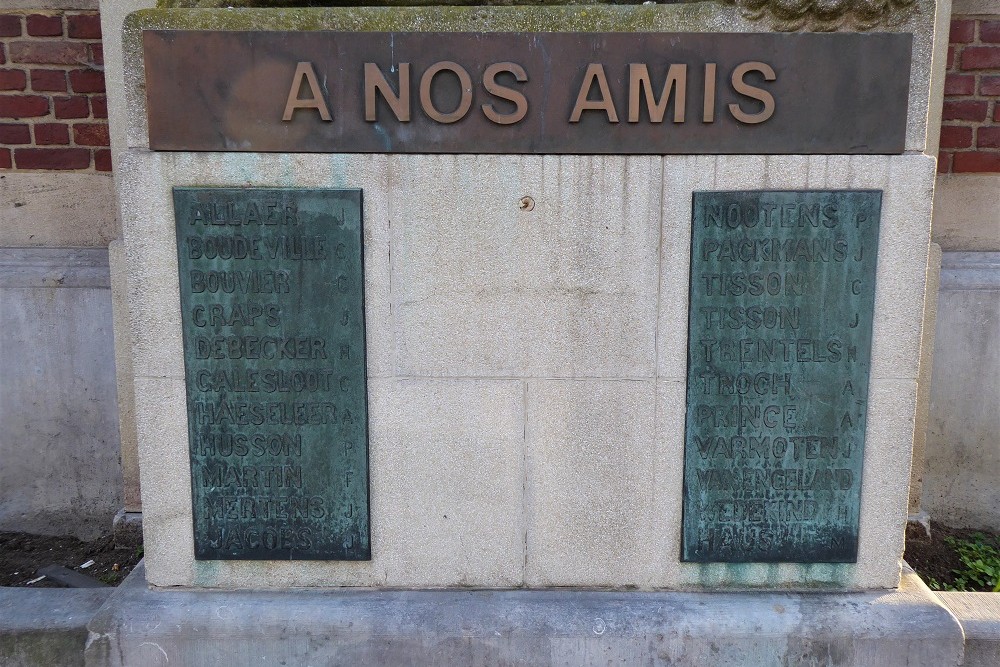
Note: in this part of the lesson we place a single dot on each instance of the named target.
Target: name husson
(503, 82)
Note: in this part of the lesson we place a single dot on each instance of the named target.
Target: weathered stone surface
(979, 614)
(142, 627)
(46, 626)
(57, 210)
(963, 456)
(463, 284)
(58, 417)
(820, 15)
(593, 470)
(117, 262)
(566, 289)
(966, 218)
(913, 508)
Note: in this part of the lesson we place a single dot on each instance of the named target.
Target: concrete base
(979, 614)
(139, 626)
(46, 626)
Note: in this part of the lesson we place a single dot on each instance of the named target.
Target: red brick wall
(53, 112)
(970, 119)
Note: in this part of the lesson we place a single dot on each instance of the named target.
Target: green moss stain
(562, 18)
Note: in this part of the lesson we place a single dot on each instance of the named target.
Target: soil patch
(22, 554)
(937, 561)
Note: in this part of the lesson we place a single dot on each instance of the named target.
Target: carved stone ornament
(823, 15)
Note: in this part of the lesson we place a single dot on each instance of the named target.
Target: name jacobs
(649, 93)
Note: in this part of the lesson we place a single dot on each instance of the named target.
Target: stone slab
(58, 415)
(592, 475)
(46, 626)
(962, 461)
(966, 217)
(139, 626)
(979, 614)
(483, 287)
(924, 386)
(464, 285)
(974, 7)
(124, 377)
(57, 209)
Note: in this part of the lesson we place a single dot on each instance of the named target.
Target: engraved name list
(781, 298)
(273, 317)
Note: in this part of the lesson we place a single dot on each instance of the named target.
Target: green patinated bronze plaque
(779, 345)
(272, 305)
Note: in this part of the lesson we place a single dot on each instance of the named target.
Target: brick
(989, 32)
(959, 84)
(99, 106)
(102, 160)
(84, 26)
(981, 57)
(14, 133)
(10, 25)
(3, 55)
(988, 137)
(989, 85)
(976, 161)
(944, 163)
(96, 54)
(52, 158)
(12, 79)
(23, 106)
(964, 110)
(996, 114)
(956, 137)
(962, 31)
(87, 81)
(91, 134)
(951, 58)
(48, 53)
(5, 158)
(40, 25)
(51, 80)
(49, 134)
(71, 107)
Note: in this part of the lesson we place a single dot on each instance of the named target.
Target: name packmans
(503, 82)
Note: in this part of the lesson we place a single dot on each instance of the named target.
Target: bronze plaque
(569, 93)
(779, 344)
(272, 307)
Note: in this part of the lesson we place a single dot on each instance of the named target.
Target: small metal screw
(527, 203)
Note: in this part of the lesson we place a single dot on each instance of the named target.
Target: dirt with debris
(933, 558)
(22, 554)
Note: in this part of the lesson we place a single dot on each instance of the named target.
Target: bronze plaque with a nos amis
(779, 345)
(272, 307)
(566, 93)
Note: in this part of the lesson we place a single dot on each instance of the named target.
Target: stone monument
(490, 335)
